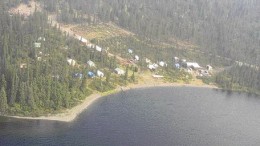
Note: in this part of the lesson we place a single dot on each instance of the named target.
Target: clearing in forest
(109, 31)
(100, 31)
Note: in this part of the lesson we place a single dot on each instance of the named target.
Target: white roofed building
(41, 39)
(119, 71)
(71, 62)
(91, 63)
(137, 58)
(100, 74)
(193, 65)
(176, 59)
(90, 46)
(99, 49)
(37, 45)
(147, 60)
(209, 68)
(81, 39)
(162, 64)
(130, 51)
(153, 66)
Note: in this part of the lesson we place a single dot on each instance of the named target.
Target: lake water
(164, 116)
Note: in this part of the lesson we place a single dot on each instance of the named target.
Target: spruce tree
(3, 101)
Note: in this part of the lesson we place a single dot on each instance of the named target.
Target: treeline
(241, 78)
(228, 28)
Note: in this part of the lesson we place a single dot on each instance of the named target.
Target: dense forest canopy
(229, 28)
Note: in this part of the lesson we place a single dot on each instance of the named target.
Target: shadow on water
(10, 126)
(230, 93)
(224, 91)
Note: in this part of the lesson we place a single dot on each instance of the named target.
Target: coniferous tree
(3, 101)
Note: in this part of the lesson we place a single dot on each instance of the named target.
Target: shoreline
(70, 115)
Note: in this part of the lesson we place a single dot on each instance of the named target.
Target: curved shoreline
(71, 114)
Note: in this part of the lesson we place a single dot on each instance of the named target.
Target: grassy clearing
(100, 31)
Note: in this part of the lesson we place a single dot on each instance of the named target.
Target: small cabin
(119, 71)
(99, 49)
(37, 45)
(100, 74)
(204, 73)
(90, 46)
(192, 65)
(209, 68)
(71, 62)
(23, 65)
(137, 58)
(153, 66)
(176, 59)
(91, 63)
(162, 64)
(39, 58)
(41, 39)
(130, 51)
(82, 40)
(147, 60)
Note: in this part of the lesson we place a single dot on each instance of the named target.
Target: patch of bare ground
(26, 9)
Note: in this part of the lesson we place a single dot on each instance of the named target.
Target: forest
(34, 78)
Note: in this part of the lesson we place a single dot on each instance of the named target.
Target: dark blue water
(149, 117)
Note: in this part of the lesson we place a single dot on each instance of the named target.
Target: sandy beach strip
(71, 114)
